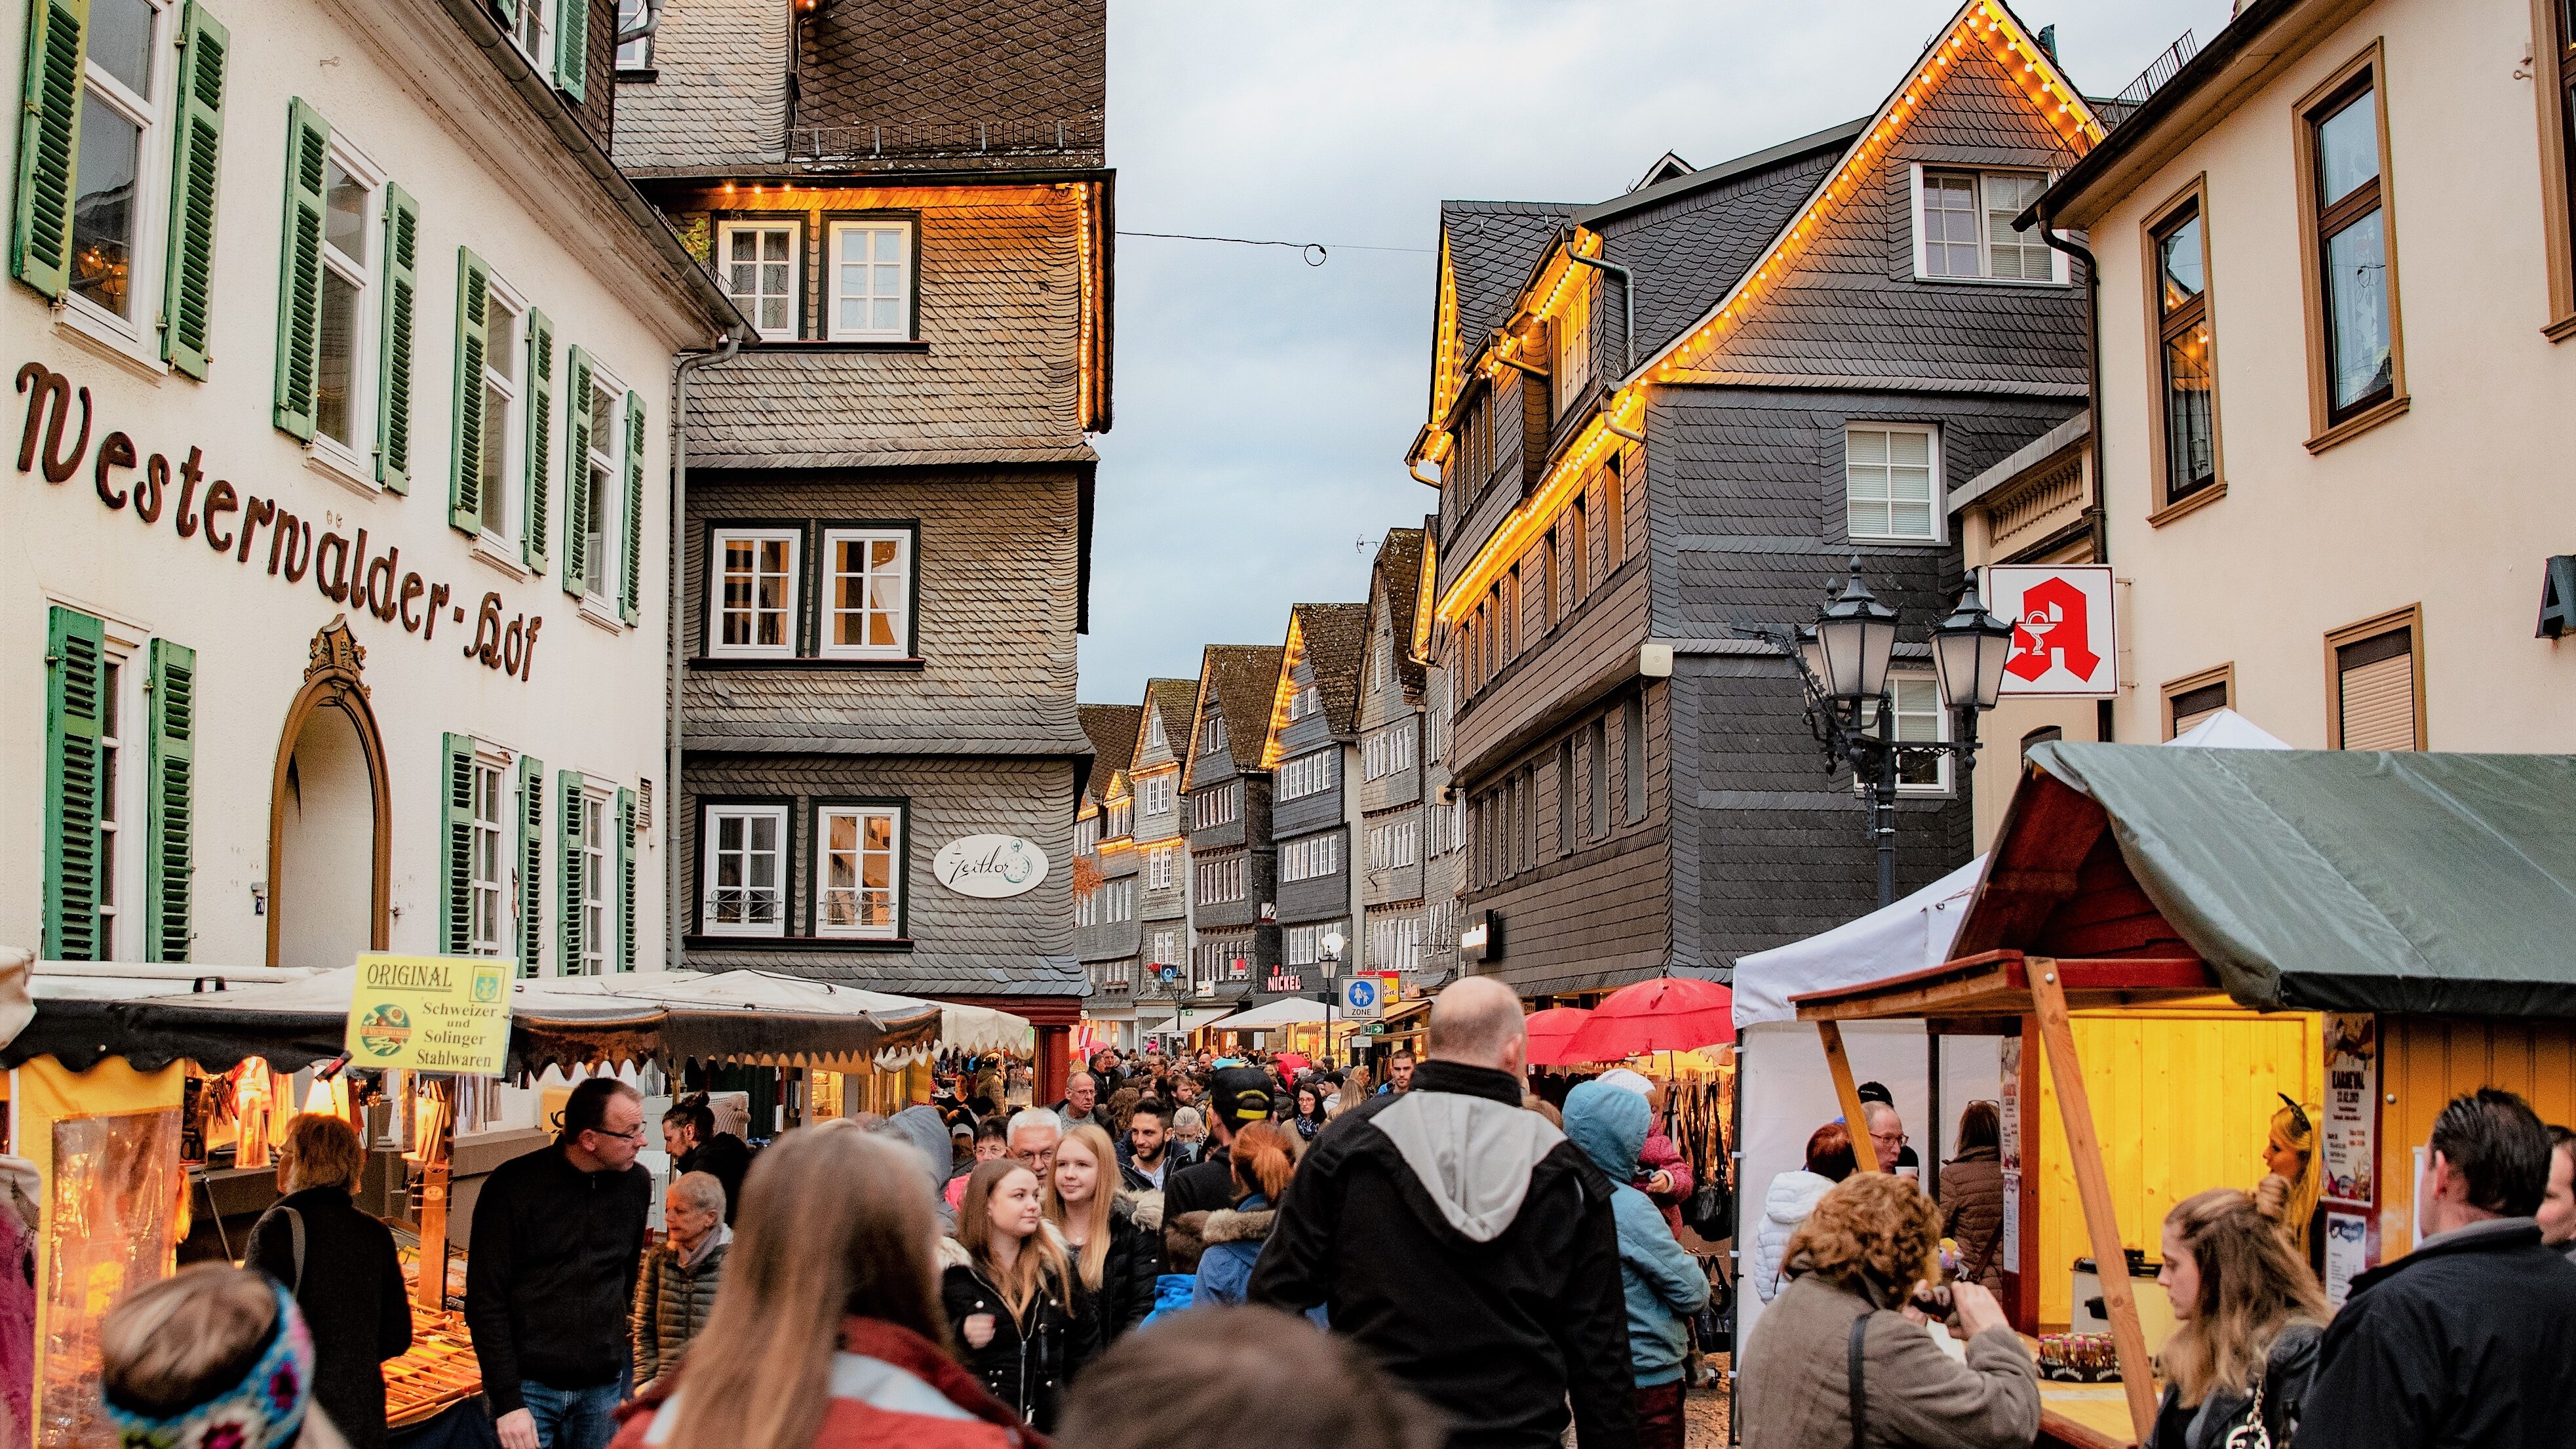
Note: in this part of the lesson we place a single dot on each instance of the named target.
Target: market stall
(2225, 921)
(139, 1112)
(1291, 1023)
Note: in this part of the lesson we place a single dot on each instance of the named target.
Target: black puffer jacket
(350, 1286)
(1127, 1274)
(1029, 1360)
(2286, 1371)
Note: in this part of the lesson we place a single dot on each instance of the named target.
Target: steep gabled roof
(1667, 167)
(1426, 587)
(1112, 728)
(1238, 683)
(1176, 701)
(1336, 640)
(1486, 249)
(1398, 576)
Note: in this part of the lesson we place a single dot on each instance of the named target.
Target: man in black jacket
(689, 1133)
(1237, 1098)
(2471, 1338)
(1465, 1243)
(550, 1274)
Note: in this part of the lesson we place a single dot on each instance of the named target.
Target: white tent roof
(1286, 1012)
(972, 1028)
(1915, 933)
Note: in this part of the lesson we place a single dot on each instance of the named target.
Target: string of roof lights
(1985, 23)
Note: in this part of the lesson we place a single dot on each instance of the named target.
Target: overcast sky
(1262, 405)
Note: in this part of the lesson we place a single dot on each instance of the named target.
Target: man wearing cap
(1237, 1098)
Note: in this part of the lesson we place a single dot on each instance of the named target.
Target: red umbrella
(1667, 1014)
(1293, 1061)
(1549, 1032)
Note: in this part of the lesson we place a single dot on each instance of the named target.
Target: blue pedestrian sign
(1360, 996)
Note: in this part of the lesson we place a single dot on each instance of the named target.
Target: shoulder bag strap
(1859, 1416)
(295, 1230)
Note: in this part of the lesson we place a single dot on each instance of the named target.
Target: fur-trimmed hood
(1144, 1209)
(1230, 1225)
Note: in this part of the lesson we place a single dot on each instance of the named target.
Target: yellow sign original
(431, 1013)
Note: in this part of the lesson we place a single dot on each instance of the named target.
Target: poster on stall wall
(2012, 1220)
(2351, 1128)
(2350, 1247)
(2008, 1113)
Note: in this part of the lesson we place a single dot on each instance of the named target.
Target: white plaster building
(334, 566)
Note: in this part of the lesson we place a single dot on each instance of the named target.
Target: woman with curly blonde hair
(1854, 1266)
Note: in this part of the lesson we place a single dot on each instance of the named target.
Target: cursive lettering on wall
(347, 570)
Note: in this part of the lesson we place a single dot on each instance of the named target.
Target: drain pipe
(2092, 378)
(673, 791)
(652, 22)
(1628, 299)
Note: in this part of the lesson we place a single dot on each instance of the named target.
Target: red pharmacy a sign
(2063, 643)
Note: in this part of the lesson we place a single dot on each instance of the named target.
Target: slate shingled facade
(1642, 793)
(887, 538)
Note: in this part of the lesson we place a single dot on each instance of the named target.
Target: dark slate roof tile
(1245, 679)
(1336, 639)
(1492, 246)
(719, 94)
(1112, 728)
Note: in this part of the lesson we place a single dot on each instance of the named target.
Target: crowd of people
(1219, 1250)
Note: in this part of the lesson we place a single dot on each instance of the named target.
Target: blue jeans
(573, 1418)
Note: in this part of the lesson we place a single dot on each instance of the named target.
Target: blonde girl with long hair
(828, 1332)
(2293, 1181)
(2247, 1316)
(1114, 1262)
(1007, 1284)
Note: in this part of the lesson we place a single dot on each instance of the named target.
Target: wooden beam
(2093, 1188)
(1864, 1151)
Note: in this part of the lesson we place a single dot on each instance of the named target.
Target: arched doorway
(330, 833)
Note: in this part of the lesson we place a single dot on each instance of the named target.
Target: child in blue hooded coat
(1664, 1285)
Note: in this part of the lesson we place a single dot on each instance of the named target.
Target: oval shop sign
(990, 866)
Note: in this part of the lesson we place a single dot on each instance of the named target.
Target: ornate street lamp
(1329, 950)
(1842, 663)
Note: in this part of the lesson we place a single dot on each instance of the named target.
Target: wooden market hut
(2409, 913)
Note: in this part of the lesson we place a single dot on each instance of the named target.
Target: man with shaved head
(1465, 1243)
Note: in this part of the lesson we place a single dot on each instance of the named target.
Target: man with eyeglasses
(558, 1238)
(1887, 1131)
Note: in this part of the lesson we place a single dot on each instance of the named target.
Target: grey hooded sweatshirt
(1472, 1251)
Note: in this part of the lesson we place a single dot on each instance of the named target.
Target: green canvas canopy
(2334, 880)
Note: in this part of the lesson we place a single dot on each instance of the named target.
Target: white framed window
(1573, 339)
(858, 876)
(1118, 899)
(534, 30)
(604, 502)
(1220, 805)
(117, 188)
(1395, 944)
(487, 880)
(1164, 949)
(1312, 857)
(1154, 739)
(1307, 774)
(634, 54)
(1212, 734)
(752, 608)
(1086, 835)
(1304, 701)
(1086, 907)
(1122, 818)
(1304, 945)
(344, 382)
(1963, 227)
(870, 282)
(597, 933)
(1891, 482)
(744, 853)
(1158, 868)
(760, 265)
(504, 426)
(1157, 793)
(1220, 881)
(115, 792)
(867, 593)
(1920, 715)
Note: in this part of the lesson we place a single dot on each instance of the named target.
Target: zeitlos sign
(230, 521)
(2063, 643)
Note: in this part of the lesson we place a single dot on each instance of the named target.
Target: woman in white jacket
(1791, 1196)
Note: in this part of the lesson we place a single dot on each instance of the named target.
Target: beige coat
(1795, 1380)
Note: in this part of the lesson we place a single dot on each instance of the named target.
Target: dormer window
(1963, 227)
(1154, 731)
(1212, 734)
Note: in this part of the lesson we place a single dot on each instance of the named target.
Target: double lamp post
(1842, 662)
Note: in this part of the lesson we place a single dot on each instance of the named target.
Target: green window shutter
(625, 880)
(572, 47)
(576, 533)
(532, 859)
(630, 595)
(299, 269)
(568, 813)
(169, 804)
(393, 372)
(40, 231)
(75, 706)
(465, 481)
(204, 48)
(541, 422)
(508, 10)
(456, 848)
